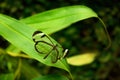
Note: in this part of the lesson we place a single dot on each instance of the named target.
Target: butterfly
(46, 45)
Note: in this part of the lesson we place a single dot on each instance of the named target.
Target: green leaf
(51, 77)
(60, 18)
(9, 76)
(82, 59)
(20, 35)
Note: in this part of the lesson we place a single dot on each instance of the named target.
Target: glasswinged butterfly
(45, 45)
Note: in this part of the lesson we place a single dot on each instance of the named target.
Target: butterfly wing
(42, 47)
(42, 42)
(62, 52)
(54, 55)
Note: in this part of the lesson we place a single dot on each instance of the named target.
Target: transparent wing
(62, 52)
(54, 55)
(43, 47)
(48, 49)
(43, 43)
(40, 36)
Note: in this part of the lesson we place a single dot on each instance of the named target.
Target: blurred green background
(84, 36)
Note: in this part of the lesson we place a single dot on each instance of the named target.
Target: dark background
(79, 37)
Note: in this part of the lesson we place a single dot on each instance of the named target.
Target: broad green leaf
(9, 76)
(51, 77)
(60, 18)
(82, 59)
(54, 20)
(20, 35)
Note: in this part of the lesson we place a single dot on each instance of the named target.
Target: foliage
(80, 37)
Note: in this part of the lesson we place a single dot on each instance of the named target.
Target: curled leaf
(82, 59)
